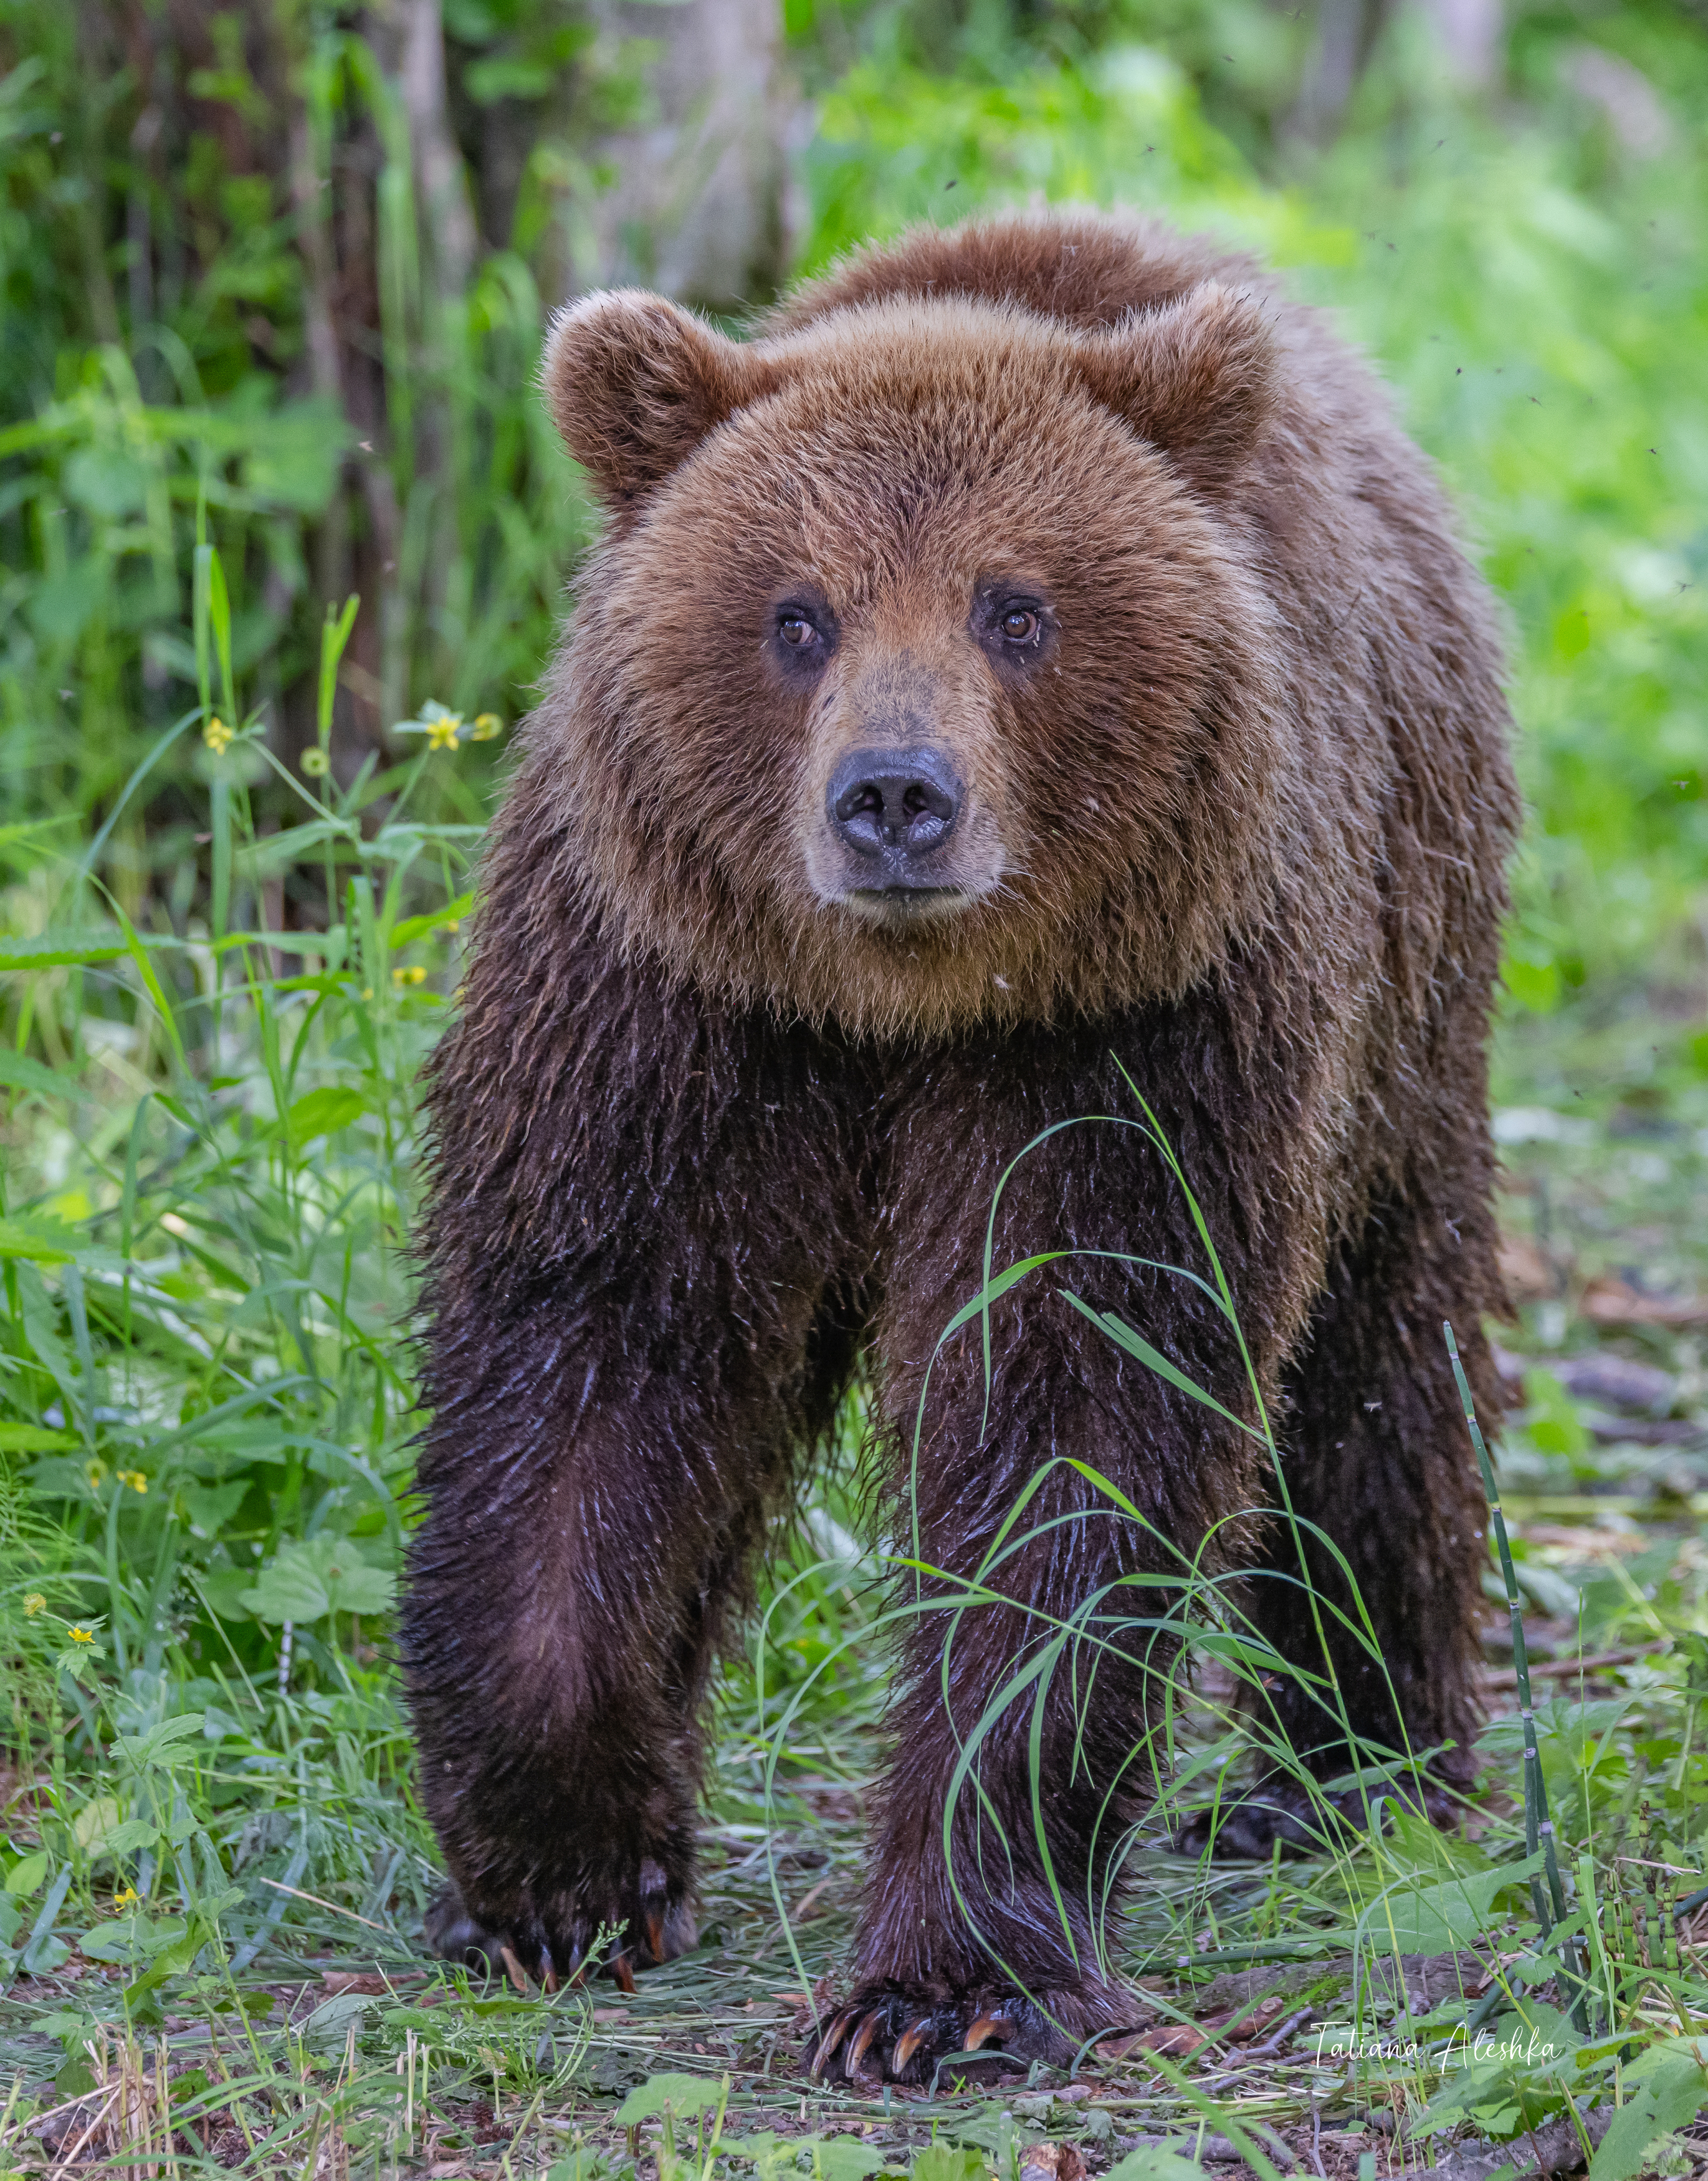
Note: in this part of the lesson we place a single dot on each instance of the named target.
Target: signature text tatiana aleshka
(1519, 2048)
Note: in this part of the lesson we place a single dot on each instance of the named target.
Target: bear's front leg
(996, 1928)
(554, 1668)
(1057, 1513)
(642, 1313)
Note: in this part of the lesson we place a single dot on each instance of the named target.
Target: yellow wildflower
(96, 1472)
(33, 1604)
(487, 728)
(217, 737)
(82, 1635)
(316, 763)
(442, 733)
(414, 975)
(126, 1897)
(135, 1478)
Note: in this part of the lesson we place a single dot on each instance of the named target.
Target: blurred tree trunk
(699, 207)
(1467, 33)
(441, 183)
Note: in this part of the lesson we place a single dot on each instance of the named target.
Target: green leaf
(161, 1744)
(322, 1113)
(55, 950)
(107, 481)
(289, 1588)
(42, 1241)
(417, 927)
(111, 1942)
(35, 1439)
(23, 1879)
(1157, 2162)
(23, 1073)
(293, 455)
(1437, 1919)
(168, 1962)
(329, 2026)
(306, 1580)
(685, 2095)
(135, 1834)
(840, 2158)
(94, 1821)
(138, 952)
(210, 1507)
(1675, 2093)
(945, 2161)
(1136, 1345)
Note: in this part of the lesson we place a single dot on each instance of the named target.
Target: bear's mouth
(900, 907)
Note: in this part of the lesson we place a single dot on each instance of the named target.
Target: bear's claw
(901, 2036)
(526, 1944)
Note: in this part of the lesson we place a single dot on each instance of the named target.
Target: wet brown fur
(706, 1136)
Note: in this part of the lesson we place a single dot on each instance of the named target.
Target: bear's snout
(894, 807)
(891, 813)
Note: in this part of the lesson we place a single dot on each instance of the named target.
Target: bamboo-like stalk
(1538, 1826)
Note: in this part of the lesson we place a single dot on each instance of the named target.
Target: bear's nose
(885, 800)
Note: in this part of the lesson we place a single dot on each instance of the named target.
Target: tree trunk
(700, 208)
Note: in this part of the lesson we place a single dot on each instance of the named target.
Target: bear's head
(922, 676)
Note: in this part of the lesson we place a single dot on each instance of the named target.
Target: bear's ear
(634, 385)
(1196, 378)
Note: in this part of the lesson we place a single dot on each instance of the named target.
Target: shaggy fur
(1135, 545)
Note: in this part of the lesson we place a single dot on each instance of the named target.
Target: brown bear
(1033, 669)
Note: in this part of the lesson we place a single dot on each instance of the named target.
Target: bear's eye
(1019, 625)
(797, 632)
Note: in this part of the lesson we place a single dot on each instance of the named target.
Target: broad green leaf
(42, 1241)
(210, 1507)
(161, 1744)
(24, 1878)
(35, 1439)
(293, 457)
(685, 2095)
(321, 1113)
(109, 481)
(840, 2158)
(1438, 1919)
(946, 2161)
(1157, 2161)
(289, 1588)
(113, 1942)
(129, 1839)
(179, 1953)
(1675, 2094)
(329, 2026)
(306, 1580)
(94, 1821)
